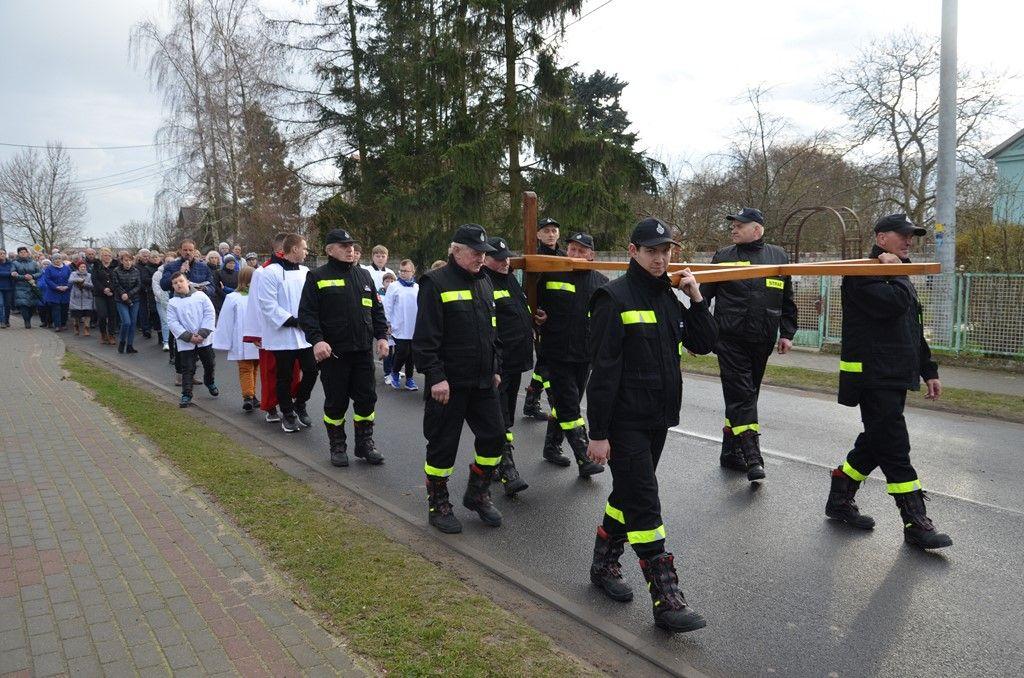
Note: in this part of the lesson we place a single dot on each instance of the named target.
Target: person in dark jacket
(6, 289)
(103, 295)
(548, 231)
(57, 291)
(456, 346)
(639, 330)
(884, 354)
(515, 331)
(342, 317)
(127, 287)
(564, 346)
(25, 272)
(144, 264)
(190, 263)
(754, 317)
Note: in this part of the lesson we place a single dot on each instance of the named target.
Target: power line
(133, 179)
(129, 171)
(86, 148)
(576, 21)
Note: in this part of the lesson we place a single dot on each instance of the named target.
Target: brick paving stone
(111, 565)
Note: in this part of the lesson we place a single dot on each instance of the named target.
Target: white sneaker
(166, 347)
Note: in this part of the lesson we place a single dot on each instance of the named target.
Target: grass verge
(394, 606)
(959, 400)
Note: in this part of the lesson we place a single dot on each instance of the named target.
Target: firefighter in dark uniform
(754, 317)
(515, 331)
(548, 231)
(342, 316)
(456, 346)
(564, 346)
(639, 330)
(884, 354)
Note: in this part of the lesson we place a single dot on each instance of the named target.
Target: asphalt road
(785, 592)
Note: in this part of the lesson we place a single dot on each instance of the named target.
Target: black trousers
(508, 396)
(742, 364)
(568, 384)
(203, 354)
(442, 427)
(106, 314)
(884, 443)
(403, 358)
(348, 377)
(539, 380)
(633, 508)
(285, 362)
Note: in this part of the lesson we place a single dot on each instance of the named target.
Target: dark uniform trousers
(633, 507)
(540, 379)
(508, 396)
(285, 361)
(884, 442)
(568, 382)
(348, 377)
(742, 364)
(188, 359)
(442, 427)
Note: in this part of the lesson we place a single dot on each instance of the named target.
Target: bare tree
(890, 94)
(131, 235)
(39, 196)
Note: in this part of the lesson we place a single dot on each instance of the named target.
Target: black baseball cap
(501, 250)
(900, 223)
(584, 239)
(473, 235)
(651, 232)
(548, 221)
(339, 236)
(746, 215)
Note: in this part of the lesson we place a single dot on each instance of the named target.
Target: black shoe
(365, 448)
(289, 422)
(508, 474)
(605, 570)
(478, 496)
(841, 506)
(338, 444)
(751, 451)
(918, 529)
(120, 347)
(185, 401)
(553, 445)
(441, 515)
(273, 416)
(578, 441)
(247, 404)
(302, 414)
(531, 404)
(130, 349)
(147, 335)
(731, 456)
(671, 612)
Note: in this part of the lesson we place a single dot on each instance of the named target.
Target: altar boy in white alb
(191, 320)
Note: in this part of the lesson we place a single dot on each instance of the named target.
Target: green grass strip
(959, 400)
(395, 607)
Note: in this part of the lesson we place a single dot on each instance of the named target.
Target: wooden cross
(535, 264)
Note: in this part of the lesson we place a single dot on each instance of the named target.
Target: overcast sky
(65, 73)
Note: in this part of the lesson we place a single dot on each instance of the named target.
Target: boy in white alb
(229, 337)
(378, 265)
(191, 320)
(400, 307)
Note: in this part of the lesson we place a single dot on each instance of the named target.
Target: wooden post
(530, 245)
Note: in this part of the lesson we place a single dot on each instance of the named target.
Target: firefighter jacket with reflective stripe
(639, 330)
(340, 305)
(565, 297)
(456, 336)
(758, 309)
(883, 336)
(515, 324)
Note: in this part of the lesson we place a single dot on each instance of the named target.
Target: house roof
(991, 155)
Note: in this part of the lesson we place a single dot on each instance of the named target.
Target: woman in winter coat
(215, 291)
(160, 298)
(103, 294)
(25, 272)
(6, 289)
(57, 291)
(80, 302)
(127, 290)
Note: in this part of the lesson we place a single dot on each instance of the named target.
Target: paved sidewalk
(110, 564)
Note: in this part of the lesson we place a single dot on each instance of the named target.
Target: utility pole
(3, 243)
(945, 176)
(89, 242)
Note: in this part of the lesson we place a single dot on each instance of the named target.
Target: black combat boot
(751, 451)
(365, 448)
(670, 610)
(553, 444)
(841, 506)
(731, 457)
(578, 441)
(441, 515)
(508, 474)
(339, 446)
(478, 496)
(531, 404)
(605, 571)
(918, 529)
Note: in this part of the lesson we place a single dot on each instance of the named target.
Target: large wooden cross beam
(535, 264)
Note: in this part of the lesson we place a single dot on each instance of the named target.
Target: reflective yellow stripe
(733, 263)
(358, 417)
(494, 321)
(502, 294)
(547, 384)
(614, 513)
(367, 302)
(438, 472)
(774, 282)
(853, 473)
(564, 286)
(554, 413)
(728, 423)
(646, 536)
(508, 436)
(570, 425)
(736, 430)
(456, 295)
(537, 377)
(339, 282)
(845, 366)
(903, 488)
(680, 349)
(638, 316)
(334, 422)
(487, 461)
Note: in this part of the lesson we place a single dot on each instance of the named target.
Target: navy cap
(584, 239)
(746, 215)
(501, 250)
(900, 223)
(339, 236)
(473, 235)
(548, 221)
(651, 232)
